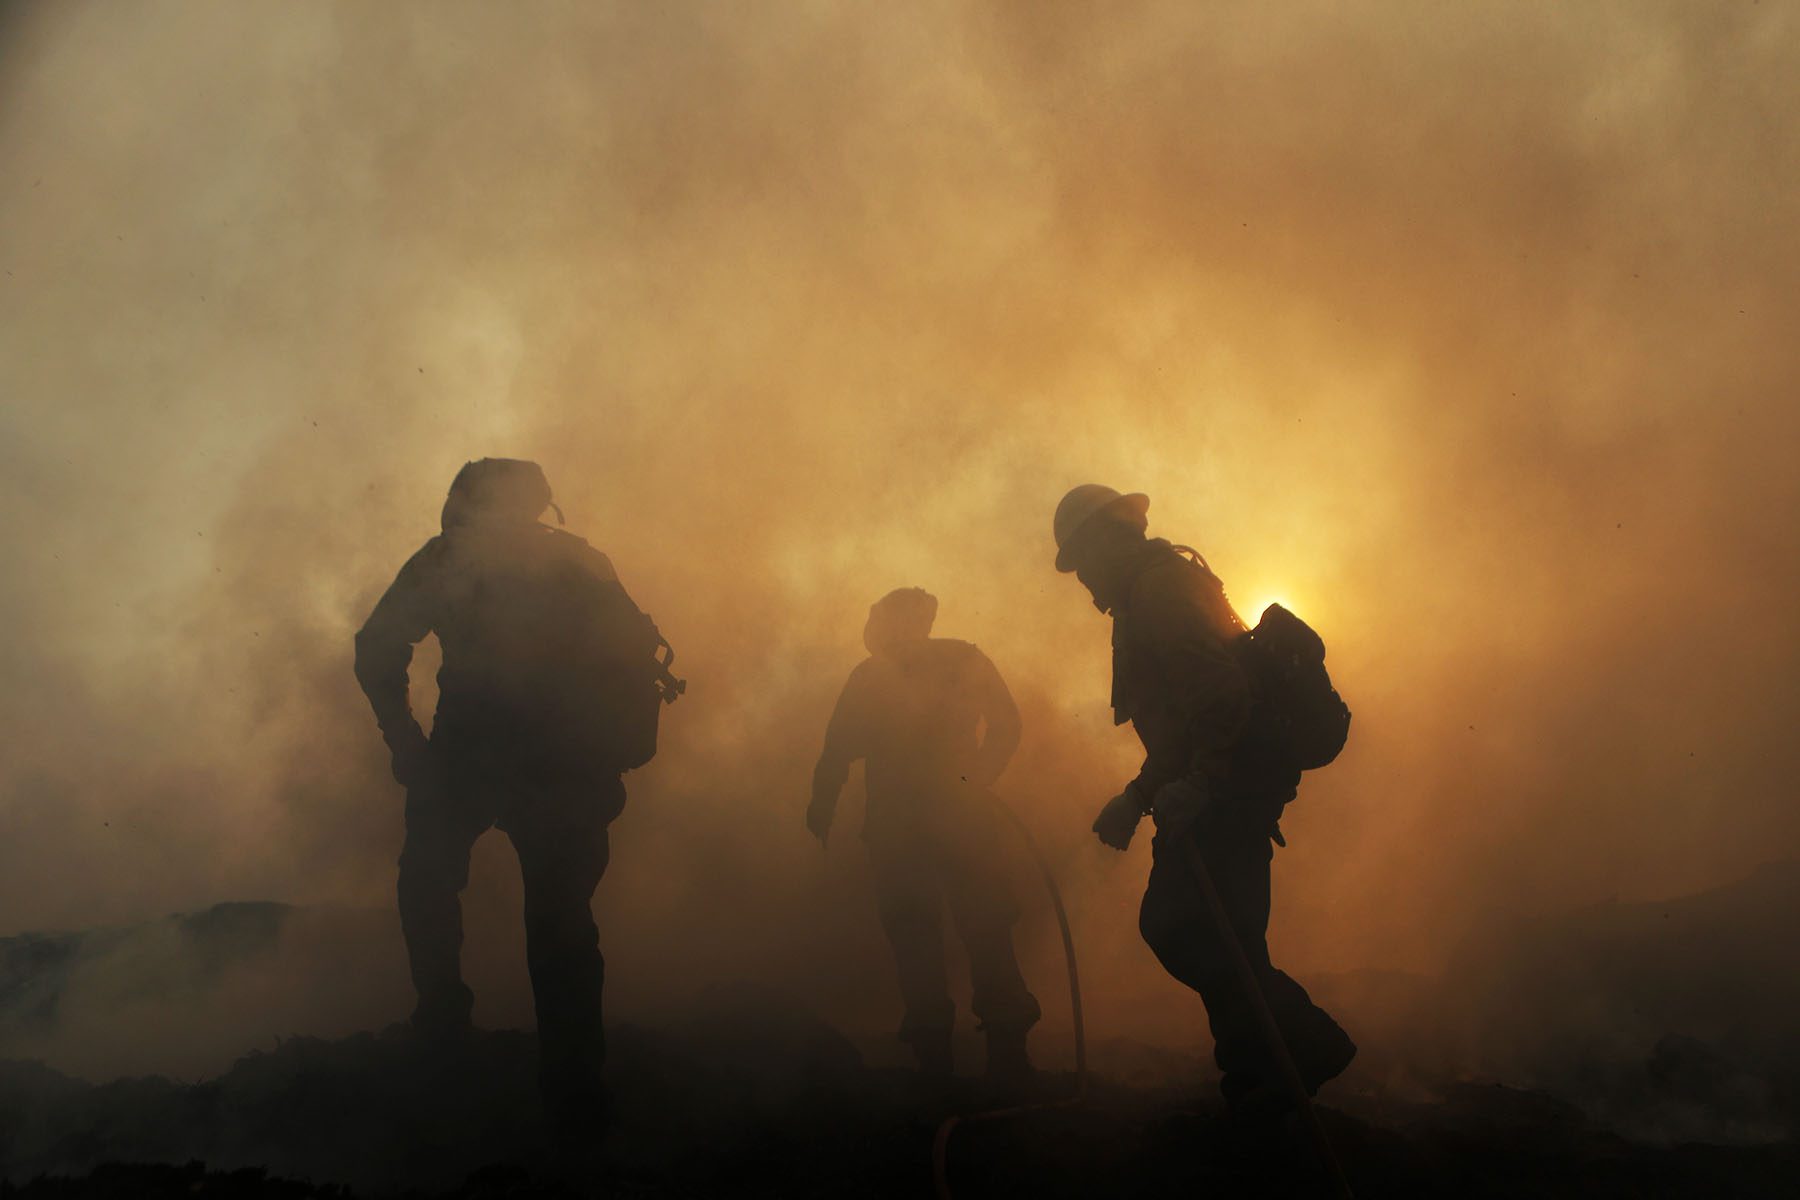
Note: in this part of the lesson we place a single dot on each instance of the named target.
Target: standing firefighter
(547, 693)
(914, 711)
(1217, 772)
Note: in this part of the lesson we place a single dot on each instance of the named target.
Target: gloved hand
(818, 821)
(1118, 820)
(1181, 805)
(413, 763)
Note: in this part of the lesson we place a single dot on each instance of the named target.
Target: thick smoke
(1465, 333)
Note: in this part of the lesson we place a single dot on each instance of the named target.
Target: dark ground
(773, 1103)
(1651, 1050)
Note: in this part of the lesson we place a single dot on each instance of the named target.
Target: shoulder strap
(1192, 555)
(1226, 613)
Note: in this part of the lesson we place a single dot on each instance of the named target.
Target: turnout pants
(560, 836)
(1177, 922)
(914, 879)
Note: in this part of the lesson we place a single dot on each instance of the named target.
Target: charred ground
(772, 1103)
(1671, 1071)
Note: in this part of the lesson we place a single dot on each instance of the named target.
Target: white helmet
(1082, 504)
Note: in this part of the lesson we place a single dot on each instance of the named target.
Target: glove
(818, 821)
(1181, 806)
(413, 763)
(1118, 820)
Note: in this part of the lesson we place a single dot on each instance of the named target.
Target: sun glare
(1251, 613)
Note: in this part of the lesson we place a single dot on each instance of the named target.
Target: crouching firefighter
(1228, 719)
(550, 688)
(935, 725)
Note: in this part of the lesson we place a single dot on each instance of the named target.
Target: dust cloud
(1467, 334)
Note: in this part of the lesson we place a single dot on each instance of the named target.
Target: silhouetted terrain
(1670, 1070)
(1668, 1021)
(772, 1103)
(37, 969)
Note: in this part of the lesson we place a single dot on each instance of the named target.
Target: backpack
(628, 701)
(1299, 712)
(1300, 722)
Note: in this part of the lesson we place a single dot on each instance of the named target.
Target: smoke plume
(1465, 333)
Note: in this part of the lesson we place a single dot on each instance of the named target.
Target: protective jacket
(915, 716)
(527, 616)
(1177, 679)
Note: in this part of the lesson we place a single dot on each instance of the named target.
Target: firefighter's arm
(384, 649)
(843, 746)
(1208, 692)
(1119, 819)
(1000, 716)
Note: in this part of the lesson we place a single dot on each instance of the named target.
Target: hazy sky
(1467, 331)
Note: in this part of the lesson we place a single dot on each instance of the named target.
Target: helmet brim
(1136, 503)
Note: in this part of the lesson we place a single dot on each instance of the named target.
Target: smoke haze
(1466, 333)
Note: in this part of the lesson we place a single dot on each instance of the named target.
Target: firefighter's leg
(563, 852)
(985, 911)
(1178, 925)
(911, 907)
(441, 828)
(1319, 1046)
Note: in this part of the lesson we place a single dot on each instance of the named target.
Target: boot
(445, 1015)
(1257, 1100)
(932, 1049)
(1327, 1058)
(578, 1120)
(578, 1126)
(1007, 1061)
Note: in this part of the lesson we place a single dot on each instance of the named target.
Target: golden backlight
(1465, 332)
